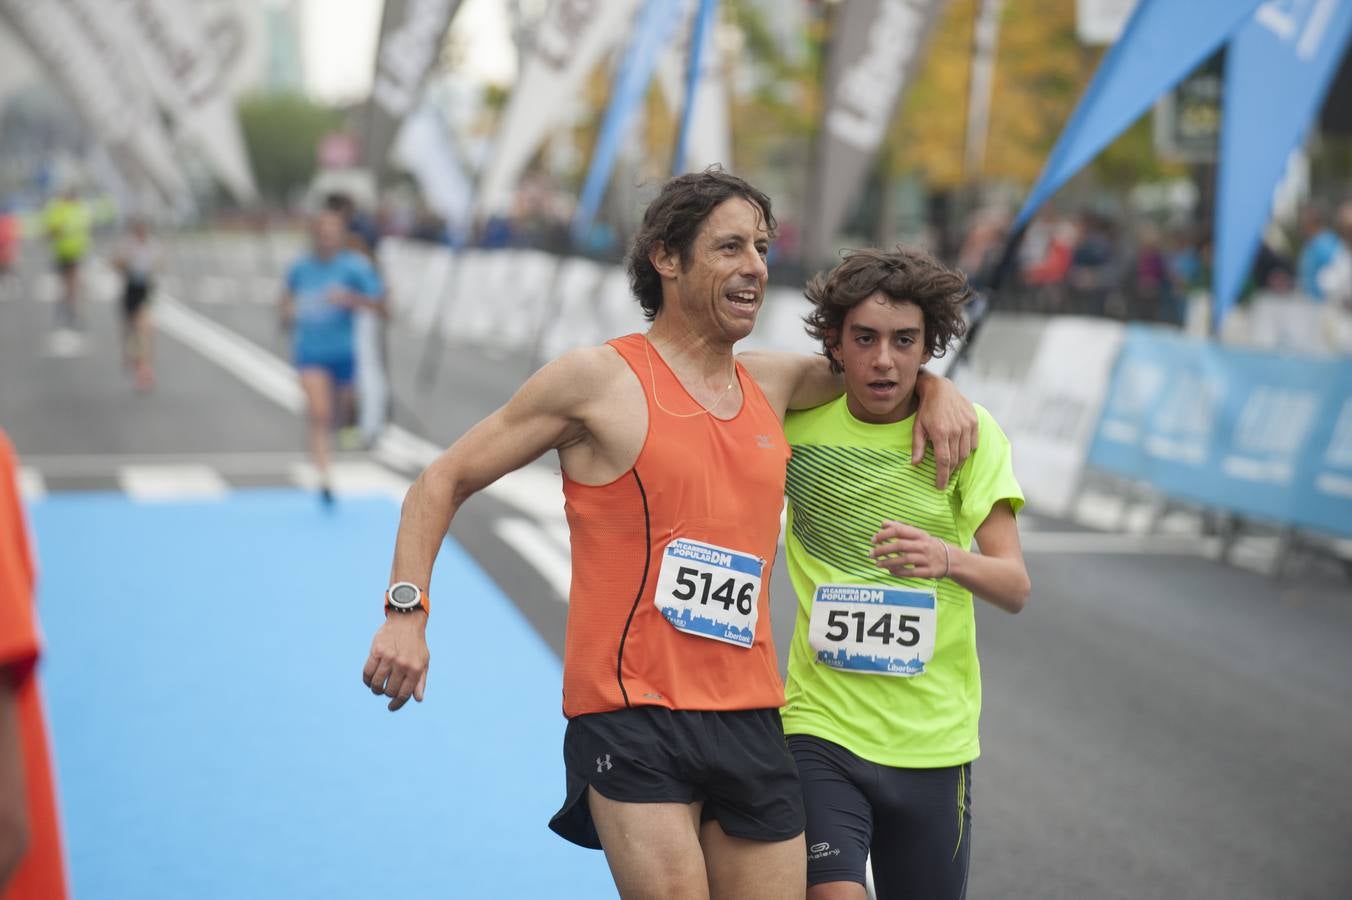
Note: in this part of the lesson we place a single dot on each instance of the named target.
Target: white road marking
(353, 478)
(158, 483)
(65, 343)
(536, 545)
(239, 463)
(248, 362)
(536, 490)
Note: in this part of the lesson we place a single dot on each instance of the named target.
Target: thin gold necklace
(704, 410)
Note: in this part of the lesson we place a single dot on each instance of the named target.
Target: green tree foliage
(1041, 70)
(281, 132)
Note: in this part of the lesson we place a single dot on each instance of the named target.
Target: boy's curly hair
(906, 274)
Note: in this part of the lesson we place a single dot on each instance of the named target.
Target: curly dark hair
(904, 275)
(674, 218)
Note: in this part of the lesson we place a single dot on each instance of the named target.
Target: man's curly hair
(903, 275)
(674, 218)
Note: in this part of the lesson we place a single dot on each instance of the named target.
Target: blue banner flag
(1163, 41)
(699, 36)
(1277, 70)
(655, 24)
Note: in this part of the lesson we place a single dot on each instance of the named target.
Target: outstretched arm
(997, 574)
(542, 415)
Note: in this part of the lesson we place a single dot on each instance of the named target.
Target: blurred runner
(323, 290)
(673, 456)
(31, 867)
(66, 222)
(884, 690)
(138, 259)
(1319, 247)
(372, 375)
(10, 231)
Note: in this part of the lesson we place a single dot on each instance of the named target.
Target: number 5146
(688, 587)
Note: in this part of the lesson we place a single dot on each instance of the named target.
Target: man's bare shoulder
(579, 376)
(592, 365)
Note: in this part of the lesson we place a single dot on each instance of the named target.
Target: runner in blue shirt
(323, 289)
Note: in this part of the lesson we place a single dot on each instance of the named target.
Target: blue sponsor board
(1262, 435)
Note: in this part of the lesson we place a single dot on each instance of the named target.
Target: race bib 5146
(710, 591)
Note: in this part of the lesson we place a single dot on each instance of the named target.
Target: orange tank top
(670, 598)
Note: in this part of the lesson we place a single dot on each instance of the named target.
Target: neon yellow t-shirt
(67, 224)
(844, 479)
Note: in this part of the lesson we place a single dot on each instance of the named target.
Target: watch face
(404, 595)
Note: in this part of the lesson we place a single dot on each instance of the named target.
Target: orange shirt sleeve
(18, 625)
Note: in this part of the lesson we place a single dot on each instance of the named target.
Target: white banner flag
(568, 42)
(411, 33)
(186, 63)
(92, 69)
(710, 138)
(875, 47)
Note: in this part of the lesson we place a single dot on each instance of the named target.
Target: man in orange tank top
(673, 460)
(30, 844)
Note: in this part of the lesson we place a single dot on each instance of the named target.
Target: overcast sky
(340, 49)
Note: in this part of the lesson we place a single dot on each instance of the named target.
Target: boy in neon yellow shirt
(884, 688)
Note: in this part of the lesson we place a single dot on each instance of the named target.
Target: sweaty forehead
(736, 217)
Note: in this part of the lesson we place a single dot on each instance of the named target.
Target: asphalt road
(1156, 724)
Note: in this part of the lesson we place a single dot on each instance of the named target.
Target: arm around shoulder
(792, 380)
(947, 421)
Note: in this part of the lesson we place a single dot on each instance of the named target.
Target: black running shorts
(134, 296)
(736, 763)
(916, 822)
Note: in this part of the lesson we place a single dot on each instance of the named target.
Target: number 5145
(838, 627)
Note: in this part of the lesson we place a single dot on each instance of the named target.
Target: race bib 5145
(874, 630)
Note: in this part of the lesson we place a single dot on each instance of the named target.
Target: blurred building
(271, 61)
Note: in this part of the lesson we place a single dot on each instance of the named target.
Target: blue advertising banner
(655, 24)
(1277, 70)
(1324, 476)
(1264, 436)
(1163, 41)
(700, 36)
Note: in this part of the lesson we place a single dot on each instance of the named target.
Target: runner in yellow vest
(66, 222)
(884, 689)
